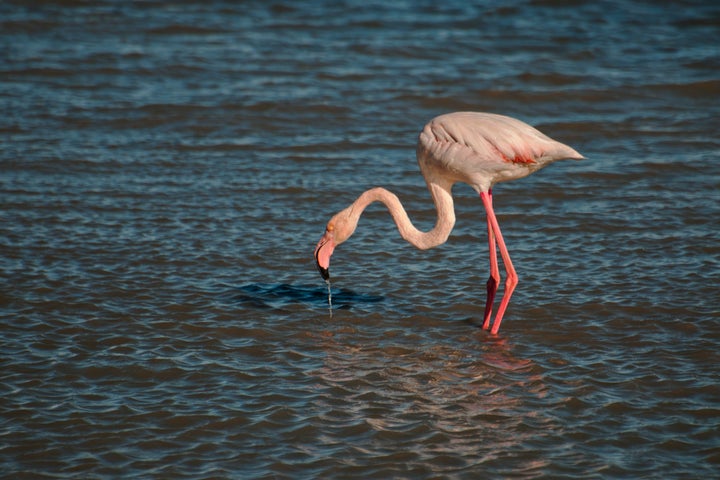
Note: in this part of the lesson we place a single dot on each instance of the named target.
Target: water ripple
(166, 172)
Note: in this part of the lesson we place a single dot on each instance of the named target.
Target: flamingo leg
(494, 280)
(512, 278)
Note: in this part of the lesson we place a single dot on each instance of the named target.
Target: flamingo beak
(323, 251)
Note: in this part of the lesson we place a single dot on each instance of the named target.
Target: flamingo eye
(330, 227)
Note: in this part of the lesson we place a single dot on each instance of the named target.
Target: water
(167, 169)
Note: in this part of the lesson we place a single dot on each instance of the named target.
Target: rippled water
(167, 168)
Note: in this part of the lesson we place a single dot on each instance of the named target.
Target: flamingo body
(480, 149)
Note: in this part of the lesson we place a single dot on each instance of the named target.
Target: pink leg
(512, 278)
(494, 280)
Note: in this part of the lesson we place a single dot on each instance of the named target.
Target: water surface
(167, 168)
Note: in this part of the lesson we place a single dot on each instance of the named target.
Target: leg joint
(511, 281)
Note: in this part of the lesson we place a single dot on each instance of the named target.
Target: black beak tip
(324, 272)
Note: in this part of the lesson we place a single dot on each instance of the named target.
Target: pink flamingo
(480, 149)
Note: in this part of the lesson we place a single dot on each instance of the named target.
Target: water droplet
(329, 297)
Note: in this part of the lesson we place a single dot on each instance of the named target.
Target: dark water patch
(280, 295)
(179, 29)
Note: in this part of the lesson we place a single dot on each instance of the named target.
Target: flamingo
(480, 149)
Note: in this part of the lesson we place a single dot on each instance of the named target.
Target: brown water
(167, 168)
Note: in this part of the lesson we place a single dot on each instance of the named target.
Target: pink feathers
(482, 148)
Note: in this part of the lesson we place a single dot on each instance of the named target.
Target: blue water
(166, 170)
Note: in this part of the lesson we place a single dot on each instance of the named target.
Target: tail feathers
(565, 152)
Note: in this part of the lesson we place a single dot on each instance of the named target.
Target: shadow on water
(276, 296)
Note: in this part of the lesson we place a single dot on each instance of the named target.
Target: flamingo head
(338, 229)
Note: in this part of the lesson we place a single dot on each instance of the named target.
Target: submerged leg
(494, 280)
(512, 278)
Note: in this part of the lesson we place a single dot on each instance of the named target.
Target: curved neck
(423, 240)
